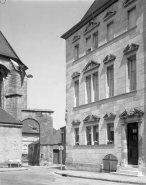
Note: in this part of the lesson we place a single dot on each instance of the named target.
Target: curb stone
(93, 178)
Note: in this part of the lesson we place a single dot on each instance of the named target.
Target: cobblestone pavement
(45, 176)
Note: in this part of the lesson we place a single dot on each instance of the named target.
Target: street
(45, 176)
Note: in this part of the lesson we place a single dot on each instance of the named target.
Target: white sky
(33, 29)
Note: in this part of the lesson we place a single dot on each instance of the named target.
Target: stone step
(128, 168)
(129, 172)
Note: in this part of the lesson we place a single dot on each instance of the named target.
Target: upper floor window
(76, 86)
(88, 44)
(76, 52)
(110, 31)
(95, 87)
(132, 18)
(132, 73)
(88, 88)
(95, 40)
(110, 81)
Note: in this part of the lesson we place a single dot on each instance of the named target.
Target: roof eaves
(13, 51)
(90, 17)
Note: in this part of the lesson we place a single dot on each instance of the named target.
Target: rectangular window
(110, 80)
(76, 136)
(76, 93)
(95, 40)
(88, 88)
(132, 18)
(95, 135)
(88, 45)
(95, 87)
(132, 73)
(110, 133)
(88, 134)
(76, 52)
(110, 31)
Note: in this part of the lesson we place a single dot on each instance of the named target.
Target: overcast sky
(33, 29)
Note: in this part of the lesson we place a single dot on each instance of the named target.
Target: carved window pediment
(109, 116)
(91, 25)
(76, 37)
(128, 2)
(76, 122)
(130, 47)
(75, 74)
(109, 15)
(90, 65)
(131, 113)
(109, 58)
(91, 118)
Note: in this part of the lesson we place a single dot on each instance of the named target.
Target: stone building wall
(45, 120)
(90, 157)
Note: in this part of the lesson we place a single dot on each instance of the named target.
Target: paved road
(45, 176)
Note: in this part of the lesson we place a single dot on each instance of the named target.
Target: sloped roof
(56, 137)
(97, 7)
(7, 50)
(7, 118)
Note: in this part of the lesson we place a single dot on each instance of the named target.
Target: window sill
(94, 146)
(103, 45)
(106, 100)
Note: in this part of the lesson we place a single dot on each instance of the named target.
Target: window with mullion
(95, 87)
(110, 31)
(110, 133)
(88, 134)
(76, 52)
(88, 87)
(110, 80)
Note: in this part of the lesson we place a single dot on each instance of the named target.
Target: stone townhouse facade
(14, 112)
(106, 86)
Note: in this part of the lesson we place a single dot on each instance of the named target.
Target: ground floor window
(95, 135)
(76, 136)
(88, 134)
(110, 133)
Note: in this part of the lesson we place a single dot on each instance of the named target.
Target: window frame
(110, 140)
(128, 13)
(130, 78)
(76, 92)
(110, 23)
(110, 87)
(95, 40)
(76, 51)
(76, 137)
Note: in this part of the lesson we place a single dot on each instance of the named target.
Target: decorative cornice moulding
(109, 15)
(109, 58)
(90, 65)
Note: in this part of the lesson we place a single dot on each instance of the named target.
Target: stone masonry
(90, 157)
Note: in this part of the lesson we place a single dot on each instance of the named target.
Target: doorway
(132, 144)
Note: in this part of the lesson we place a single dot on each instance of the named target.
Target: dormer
(90, 66)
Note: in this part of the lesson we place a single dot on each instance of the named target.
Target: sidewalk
(102, 176)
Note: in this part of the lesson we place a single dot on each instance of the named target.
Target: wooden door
(133, 143)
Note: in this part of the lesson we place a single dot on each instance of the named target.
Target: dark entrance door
(133, 143)
(55, 156)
